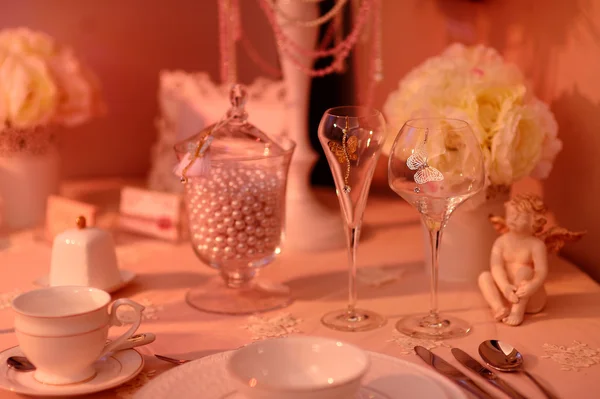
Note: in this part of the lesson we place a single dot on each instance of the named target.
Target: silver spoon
(21, 363)
(503, 357)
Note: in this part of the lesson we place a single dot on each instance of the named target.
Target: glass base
(215, 296)
(434, 327)
(358, 320)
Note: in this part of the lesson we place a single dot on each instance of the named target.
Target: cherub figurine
(519, 265)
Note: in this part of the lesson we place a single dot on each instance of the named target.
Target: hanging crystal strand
(378, 33)
(229, 34)
(375, 55)
(224, 39)
(364, 37)
(338, 26)
(235, 32)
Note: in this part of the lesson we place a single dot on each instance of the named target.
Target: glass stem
(435, 237)
(353, 234)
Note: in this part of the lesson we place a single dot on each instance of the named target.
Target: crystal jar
(235, 183)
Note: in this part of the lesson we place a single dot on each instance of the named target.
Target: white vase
(468, 238)
(309, 225)
(29, 174)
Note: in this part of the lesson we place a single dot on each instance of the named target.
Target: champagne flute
(435, 164)
(352, 138)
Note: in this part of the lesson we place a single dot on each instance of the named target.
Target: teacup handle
(114, 321)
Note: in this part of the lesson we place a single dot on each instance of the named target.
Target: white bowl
(298, 368)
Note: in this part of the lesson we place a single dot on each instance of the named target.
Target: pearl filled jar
(235, 183)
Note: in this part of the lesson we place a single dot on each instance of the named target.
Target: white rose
(25, 41)
(28, 90)
(79, 89)
(516, 145)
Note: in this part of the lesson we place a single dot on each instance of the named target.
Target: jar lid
(231, 139)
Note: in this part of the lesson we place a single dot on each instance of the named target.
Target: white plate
(111, 372)
(127, 277)
(388, 378)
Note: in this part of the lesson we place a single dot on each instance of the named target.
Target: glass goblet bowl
(236, 214)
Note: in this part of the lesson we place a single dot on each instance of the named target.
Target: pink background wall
(127, 43)
(556, 42)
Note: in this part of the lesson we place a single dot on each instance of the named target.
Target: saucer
(127, 277)
(388, 378)
(112, 371)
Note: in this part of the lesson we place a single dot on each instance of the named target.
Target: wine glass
(435, 164)
(352, 138)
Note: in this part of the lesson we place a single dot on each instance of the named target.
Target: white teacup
(63, 330)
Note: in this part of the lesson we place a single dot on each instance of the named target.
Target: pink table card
(61, 214)
(151, 213)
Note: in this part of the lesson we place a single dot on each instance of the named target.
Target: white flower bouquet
(517, 131)
(42, 83)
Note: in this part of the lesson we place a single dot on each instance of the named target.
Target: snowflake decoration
(572, 358)
(127, 315)
(6, 298)
(376, 277)
(407, 344)
(277, 326)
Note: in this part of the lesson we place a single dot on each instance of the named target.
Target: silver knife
(448, 370)
(486, 373)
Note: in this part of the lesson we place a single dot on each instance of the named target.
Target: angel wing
(556, 237)
(499, 224)
(427, 174)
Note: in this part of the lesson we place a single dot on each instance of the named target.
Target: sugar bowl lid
(231, 139)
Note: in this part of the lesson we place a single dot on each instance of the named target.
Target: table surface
(391, 241)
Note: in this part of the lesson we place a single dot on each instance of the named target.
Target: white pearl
(228, 221)
(226, 209)
(239, 224)
(246, 210)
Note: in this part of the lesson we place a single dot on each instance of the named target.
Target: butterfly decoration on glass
(424, 172)
(436, 165)
(352, 139)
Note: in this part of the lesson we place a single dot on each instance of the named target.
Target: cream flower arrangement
(42, 83)
(517, 131)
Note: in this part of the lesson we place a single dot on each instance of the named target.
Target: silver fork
(172, 360)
